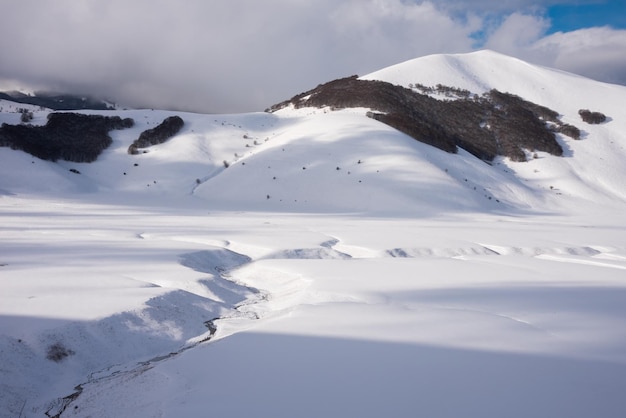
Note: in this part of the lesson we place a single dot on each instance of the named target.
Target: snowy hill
(344, 267)
(312, 160)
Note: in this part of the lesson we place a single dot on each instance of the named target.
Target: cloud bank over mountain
(243, 55)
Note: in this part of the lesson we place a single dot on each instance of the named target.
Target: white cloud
(226, 56)
(599, 53)
(245, 55)
(506, 6)
(384, 30)
(517, 33)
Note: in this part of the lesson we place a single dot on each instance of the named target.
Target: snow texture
(313, 262)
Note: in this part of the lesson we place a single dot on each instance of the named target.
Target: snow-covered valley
(316, 262)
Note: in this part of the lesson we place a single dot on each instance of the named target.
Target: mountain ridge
(321, 158)
(57, 101)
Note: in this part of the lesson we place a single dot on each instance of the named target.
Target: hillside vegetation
(157, 135)
(489, 125)
(68, 136)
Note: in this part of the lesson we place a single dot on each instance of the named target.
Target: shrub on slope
(592, 118)
(68, 136)
(157, 135)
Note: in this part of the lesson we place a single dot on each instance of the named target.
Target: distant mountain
(57, 101)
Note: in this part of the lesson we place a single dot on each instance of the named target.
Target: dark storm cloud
(243, 55)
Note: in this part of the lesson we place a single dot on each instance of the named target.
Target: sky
(218, 56)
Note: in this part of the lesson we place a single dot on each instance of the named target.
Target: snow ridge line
(284, 295)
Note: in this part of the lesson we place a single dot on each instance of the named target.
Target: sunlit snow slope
(316, 262)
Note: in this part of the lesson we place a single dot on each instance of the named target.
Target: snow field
(318, 263)
(437, 333)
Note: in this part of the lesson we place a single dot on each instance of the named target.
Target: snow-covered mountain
(315, 159)
(344, 267)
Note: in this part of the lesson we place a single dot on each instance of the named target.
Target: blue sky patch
(569, 17)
